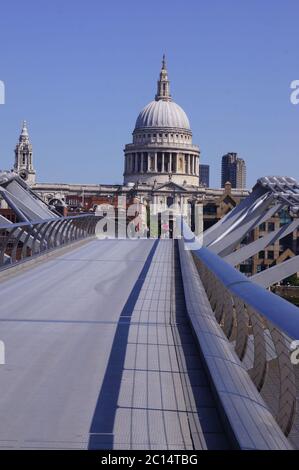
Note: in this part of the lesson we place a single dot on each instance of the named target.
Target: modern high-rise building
(233, 170)
(204, 175)
(241, 173)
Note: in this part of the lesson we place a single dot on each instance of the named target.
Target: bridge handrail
(260, 326)
(265, 302)
(31, 223)
(247, 420)
(24, 240)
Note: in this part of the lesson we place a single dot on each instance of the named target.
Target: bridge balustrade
(261, 328)
(24, 240)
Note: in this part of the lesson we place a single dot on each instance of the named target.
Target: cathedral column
(141, 163)
(192, 164)
(188, 166)
(170, 163)
(175, 163)
(148, 161)
(136, 163)
(156, 158)
(163, 167)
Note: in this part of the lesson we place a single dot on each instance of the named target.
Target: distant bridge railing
(260, 326)
(22, 240)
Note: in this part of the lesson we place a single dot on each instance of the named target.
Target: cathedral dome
(162, 148)
(162, 113)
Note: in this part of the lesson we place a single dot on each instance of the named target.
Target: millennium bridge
(145, 343)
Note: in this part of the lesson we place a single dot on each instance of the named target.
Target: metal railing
(260, 326)
(27, 239)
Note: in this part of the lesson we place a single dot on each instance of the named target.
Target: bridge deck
(99, 354)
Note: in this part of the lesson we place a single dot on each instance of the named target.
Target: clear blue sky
(80, 72)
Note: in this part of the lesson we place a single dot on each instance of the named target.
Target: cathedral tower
(23, 157)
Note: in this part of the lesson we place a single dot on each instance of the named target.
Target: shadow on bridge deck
(163, 399)
(104, 415)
